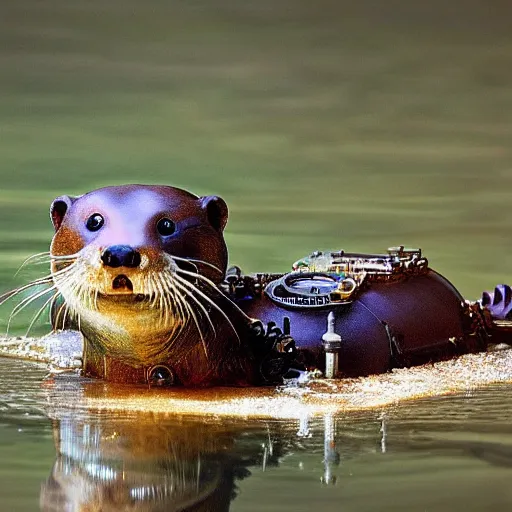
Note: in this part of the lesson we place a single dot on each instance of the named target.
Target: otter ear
(216, 211)
(59, 208)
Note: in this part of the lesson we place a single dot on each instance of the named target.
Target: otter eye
(94, 222)
(165, 227)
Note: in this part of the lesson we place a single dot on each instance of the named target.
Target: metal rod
(332, 345)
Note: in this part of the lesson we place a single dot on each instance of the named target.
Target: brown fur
(167, 315)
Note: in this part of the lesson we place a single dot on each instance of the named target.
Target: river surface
(433, 454)
(324, 125)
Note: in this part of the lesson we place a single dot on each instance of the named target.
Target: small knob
(332, 340)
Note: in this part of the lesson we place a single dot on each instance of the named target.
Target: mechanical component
(275, 348)
(311, 290)
(398, 260)
(391, 310)
(160, 375)
(332, 346)
(329, 278)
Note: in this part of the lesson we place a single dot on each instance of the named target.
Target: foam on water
(317, 396)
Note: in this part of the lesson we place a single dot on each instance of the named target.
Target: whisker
(162, 300)
(34, 256)
(12, 293)
(72, 286)
(88, 295)
(80, 292)
(57, 316)
(196, 300)
(192, 313)
(170, 303)
(158, 286)
(65, 317)
(38, 314)
(153, 297)
(179, 302)
(178, 323)
(164, 291)
(31, 298)
(61, 257)
(198, 276)
(25, 302)
(204, 296)
(215, 288)
(201, 262)
(55, 320)
(41, 281)
(148, 287)
(52, 305)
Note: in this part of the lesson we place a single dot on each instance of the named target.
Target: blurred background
(324, 125)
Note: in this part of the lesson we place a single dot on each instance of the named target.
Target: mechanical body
(366, 313)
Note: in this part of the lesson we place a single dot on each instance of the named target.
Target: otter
(136, 270)
(141, 272)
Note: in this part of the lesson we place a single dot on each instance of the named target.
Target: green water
(327, 124)
(430, 455)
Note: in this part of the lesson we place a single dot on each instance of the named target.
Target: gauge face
(306, 291)
(315, 286)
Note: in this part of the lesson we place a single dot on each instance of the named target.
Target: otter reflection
(150, 462)
(145, 463)
(166, 461)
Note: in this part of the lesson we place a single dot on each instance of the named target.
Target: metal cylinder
(332, 344)
(331, 364)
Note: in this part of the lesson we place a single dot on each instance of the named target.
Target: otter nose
(120, 256)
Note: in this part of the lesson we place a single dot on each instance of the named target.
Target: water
(428, 455)
(324, 125)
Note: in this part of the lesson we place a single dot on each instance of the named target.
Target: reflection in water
(142, 464)
(428, 454)
(153, 462)
(331, 456)
(116, 460)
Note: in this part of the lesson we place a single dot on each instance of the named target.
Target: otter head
(132, 263)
